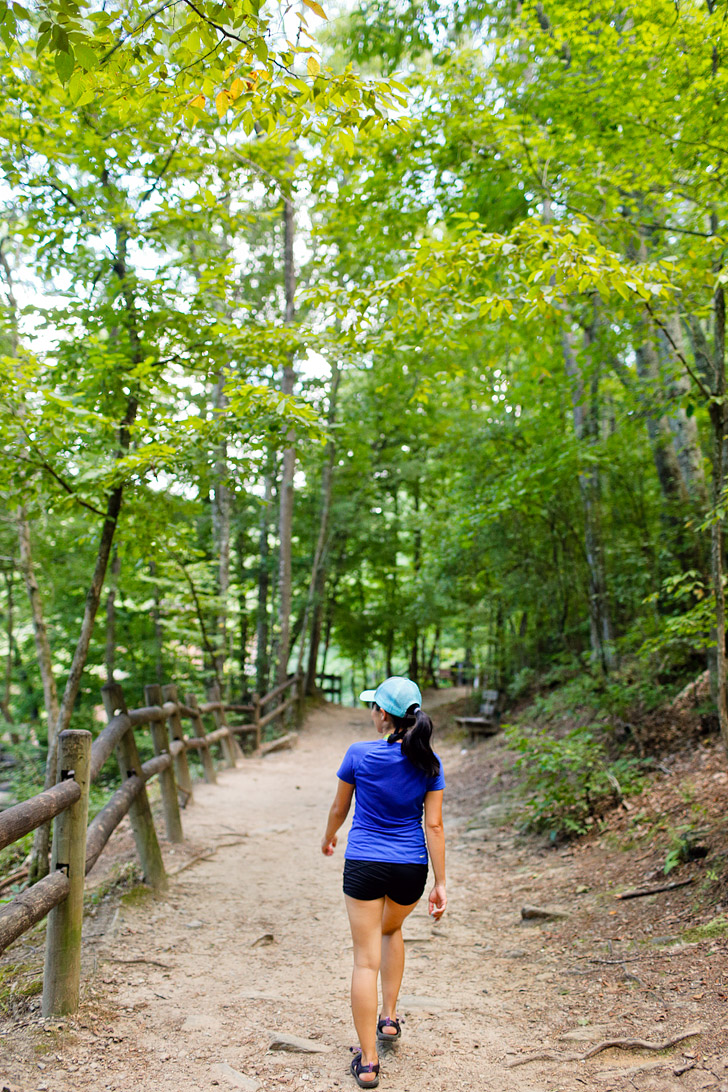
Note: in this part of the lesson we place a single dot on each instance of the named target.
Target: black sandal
(385, 1037)
(357, 1068)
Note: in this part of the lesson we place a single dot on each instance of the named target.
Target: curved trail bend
(185, 991)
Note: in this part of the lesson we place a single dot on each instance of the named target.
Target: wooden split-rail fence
(77, 844)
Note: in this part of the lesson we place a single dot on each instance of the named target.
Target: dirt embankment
(251, 942)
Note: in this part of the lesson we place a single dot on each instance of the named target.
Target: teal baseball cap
(395, 695)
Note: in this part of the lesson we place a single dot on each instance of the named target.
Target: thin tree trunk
(262, 666)
(285, 496)
(330, 604)
(39, 864)
(222, 503)
(157, 621)
(389, 651)
(5, 701)
(197, 602)
(414, 663)
(658, 428)
(684, 428)
(719, 420)
(111, 616)
(600, 626)
(316, 583)
(431, 673)
(41, 838)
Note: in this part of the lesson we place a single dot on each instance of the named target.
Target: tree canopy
(451, 277)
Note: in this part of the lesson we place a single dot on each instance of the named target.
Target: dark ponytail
(414, 732)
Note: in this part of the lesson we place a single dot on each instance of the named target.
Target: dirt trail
(185, 991)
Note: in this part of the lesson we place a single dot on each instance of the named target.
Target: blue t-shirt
(389, 794)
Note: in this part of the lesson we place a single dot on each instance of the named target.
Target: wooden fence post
(181, 767)
(229, 744)
(208, 765)
(140, 813)
(62, 974)
(160, 739)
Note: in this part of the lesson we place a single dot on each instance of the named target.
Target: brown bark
(683, 427)
(157, 621)
(110, 656)
(600, 625)
(39, 863)
(222, 502)
(719, 421)
(10, 610)
(316, 583)
(285, 493)
(262, 665)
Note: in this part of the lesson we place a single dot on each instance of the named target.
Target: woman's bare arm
(435, 835)
(337, 815)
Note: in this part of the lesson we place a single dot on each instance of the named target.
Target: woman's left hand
(437, 901)
(328, 845)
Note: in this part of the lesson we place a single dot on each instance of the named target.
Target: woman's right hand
(437, 901)
(327, 846)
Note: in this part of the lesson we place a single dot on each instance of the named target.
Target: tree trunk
(330, 604)
(413, 669)
(111, 616)
(719, 419)
(431, 671)
(684, 428)
(157, 621)
(262, 665)
(41, 838)
(222, 503)
(316, 584)
(600, 625)
(39, 629)
(285, 519)
(5, 700)
(39, 865)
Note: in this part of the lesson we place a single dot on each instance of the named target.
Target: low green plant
(18, 983)
(569, 780)
(122, 879)
(717, 927)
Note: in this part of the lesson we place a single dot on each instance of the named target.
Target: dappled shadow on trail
(251, 942)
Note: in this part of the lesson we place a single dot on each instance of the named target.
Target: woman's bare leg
(365, 921)
(392, 960)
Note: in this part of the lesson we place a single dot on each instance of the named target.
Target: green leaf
(42, 42)
(86, 56)
(65, 64)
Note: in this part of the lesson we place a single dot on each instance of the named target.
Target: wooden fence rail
(78, 844)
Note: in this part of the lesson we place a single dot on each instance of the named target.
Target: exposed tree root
(606, 1044)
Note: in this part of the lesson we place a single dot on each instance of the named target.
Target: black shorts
(368, 880)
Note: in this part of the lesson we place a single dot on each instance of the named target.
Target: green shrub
(570, 780)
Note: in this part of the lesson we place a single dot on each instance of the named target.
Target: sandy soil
(186, 991)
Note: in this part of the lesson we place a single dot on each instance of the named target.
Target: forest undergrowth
(624, 764)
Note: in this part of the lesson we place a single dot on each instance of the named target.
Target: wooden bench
(487, 720)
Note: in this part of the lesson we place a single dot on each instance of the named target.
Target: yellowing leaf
(313, 66)
(236, 88)
(222, 104)
(198, 102)
(316, 8)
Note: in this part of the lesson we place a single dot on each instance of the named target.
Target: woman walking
(397, 780)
